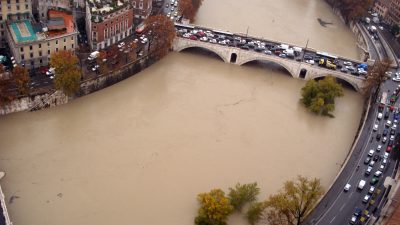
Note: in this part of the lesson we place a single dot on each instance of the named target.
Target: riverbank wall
(53, 98)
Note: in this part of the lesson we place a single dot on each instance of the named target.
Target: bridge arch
(277, 61)
(204, 47)
(341, 79)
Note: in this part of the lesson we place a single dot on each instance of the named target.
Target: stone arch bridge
(239, 57)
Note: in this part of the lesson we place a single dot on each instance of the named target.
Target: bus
(327, 55)
(382, 101)
(223, 33)
(179, 25)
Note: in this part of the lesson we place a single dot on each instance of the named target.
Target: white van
(93, 55)
(361, 184)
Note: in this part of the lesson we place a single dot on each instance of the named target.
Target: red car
(389, 149)
(193, 37)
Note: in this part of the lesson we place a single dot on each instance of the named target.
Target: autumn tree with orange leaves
(21, 79)
(161, 33)
(189, 8)
(6, 96)
(67, 73)
(352, 10)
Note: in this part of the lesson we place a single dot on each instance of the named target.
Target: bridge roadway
(297, 66)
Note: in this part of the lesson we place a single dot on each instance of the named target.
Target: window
(40, 53)
(40, 45)
(72, 38)
(17, 1)
(140, 5)
(65, 39)
(56, 42)
(22, 57)
(48, 43)
(32, 63)
(17, 7)
(56, 49)
(42, 14)
(94, 27)
(72, 46)
(48, 52)
(65, 47)
(31, 55)
(22, 49)
(40, 61)
(26, 6)
(8, 1)
(30, 47)
(134, 4)
(1, 17)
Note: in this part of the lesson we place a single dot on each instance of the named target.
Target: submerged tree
(319, 96)
(242, 194)
(255, 212)
(214, 208)
(294, 202)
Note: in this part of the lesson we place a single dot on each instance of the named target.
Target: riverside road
(338, 206)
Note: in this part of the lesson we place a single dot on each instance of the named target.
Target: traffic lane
(332, 210)
(321, 209)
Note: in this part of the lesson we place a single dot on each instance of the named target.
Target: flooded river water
(140, 151)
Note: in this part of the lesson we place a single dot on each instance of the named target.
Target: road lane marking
(364, 147)
(332, 219)
(342, 207)
(351, 194)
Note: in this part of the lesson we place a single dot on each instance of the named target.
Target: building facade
(141, 8)
(31, 44)
(45, 5)
(388, 10)
(108, 24)
(13, 10)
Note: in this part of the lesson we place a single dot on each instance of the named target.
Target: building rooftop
(105, 6)
(59, 23)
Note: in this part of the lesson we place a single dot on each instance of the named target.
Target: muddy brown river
(140, 151)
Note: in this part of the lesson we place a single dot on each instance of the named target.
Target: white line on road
(363, 148)
(350, 194)
(332, 219)
(342, 207)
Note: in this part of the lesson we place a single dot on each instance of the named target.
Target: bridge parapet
(239, 57)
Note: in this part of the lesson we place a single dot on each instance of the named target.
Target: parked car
(374, 181)
(371, 152)
(378, 148)
(366, 161)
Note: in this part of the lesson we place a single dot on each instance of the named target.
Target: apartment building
(12, 10)
(44, 6)
(388, 10)
(32, 43)
(141, 8)
(108, 22)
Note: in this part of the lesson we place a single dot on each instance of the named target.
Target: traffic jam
(281, 50)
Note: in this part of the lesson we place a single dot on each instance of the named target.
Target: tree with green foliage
(319, 96)
(214, 208)
(294, 202)
(255, 212)
(242, 194)
(67, 73)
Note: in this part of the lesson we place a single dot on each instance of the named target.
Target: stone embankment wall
(36, 102)
(55, 98)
